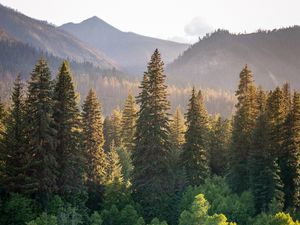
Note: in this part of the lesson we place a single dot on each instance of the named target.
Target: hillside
(49, 38)
(216, 60)
(130, 50)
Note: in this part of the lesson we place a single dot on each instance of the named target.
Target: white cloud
(197, 27)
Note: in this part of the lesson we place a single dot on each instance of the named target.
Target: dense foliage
(64, 165)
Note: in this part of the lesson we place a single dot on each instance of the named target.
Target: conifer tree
(14, 142)
(194, 156)
(108, 133)
(129, 117)
(243, 124)
(177, 129)
(292, 143)
(116, 124)
(114, 169)
(67, 123)
(152, 176)
(265, 182)
(93, 141)
(40, 133)
(219, 141)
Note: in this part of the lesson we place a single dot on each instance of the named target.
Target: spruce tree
(116, 125)
(265, 182)
(292, 143)
(41, 135)
(108, 133)
(114, 169)
(276, 118)
(219, 141)
(93, 141)
(177, 129)
(194, 156)
(14, 142)
(67, 123)
(152, 176)
(243, 124)
(129, 117)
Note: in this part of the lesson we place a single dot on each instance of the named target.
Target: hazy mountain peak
(132, 51)
(49, 38)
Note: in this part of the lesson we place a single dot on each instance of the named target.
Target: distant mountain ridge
(49, 38)
(132, 51)
(216, 60)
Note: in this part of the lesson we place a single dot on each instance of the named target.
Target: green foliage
(280, 218)
(113, 169)
(152, 175)
(18, 209)
(239, 208)
(129, 117)
(177, 130)
(93, 140)
(194, 156)
(66, 115)
(44, 219)
(126, 164)
(198, 214)
(40, 135)
(219, 141)
(96, 219)
(14, 149)
(292, 145)
(243, 124)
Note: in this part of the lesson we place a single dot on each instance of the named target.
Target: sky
(178, 20)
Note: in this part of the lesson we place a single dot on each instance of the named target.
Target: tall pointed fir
(243, 124)
(152, 176)
(276, 117)
(93, 140)
(194, 156)
(67, 123)
(40, 134)
(265, 182)
(292, 143)
(219, 141)
(14, 142)
(114, 169)
(177, 129)
(129, 117)
(112, 129)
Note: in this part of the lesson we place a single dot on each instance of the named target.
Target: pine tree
(292, 143)
(219, 140)
(152, 176)
(40, 133)
(14, 142)
(177, 129)
(112, 129)
(194, 156)
(243, 124)
(67, 123)
(129, 117)
(108, 133)
(93, 141)
(116, 124)
(265, 182)
(114, 169)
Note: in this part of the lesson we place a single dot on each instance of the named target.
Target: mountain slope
(130, 50)
(42, 35)
(216, 60)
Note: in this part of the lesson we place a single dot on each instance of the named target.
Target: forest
(65, 163)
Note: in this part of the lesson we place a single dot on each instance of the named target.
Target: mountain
(216, 60)
(49, 38)
(132, 51)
